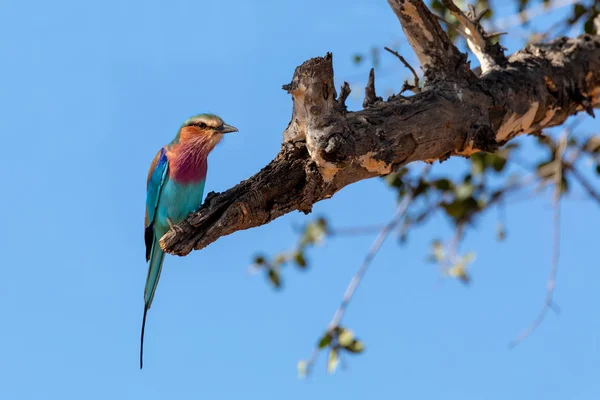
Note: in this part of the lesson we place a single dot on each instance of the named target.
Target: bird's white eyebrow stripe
(210, 122)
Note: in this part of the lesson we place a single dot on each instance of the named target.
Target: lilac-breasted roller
(174, 189)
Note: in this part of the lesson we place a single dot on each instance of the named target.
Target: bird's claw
(174, 227)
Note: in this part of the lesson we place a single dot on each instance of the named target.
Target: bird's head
(207, 128)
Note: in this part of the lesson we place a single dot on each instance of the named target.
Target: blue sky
(93, 89)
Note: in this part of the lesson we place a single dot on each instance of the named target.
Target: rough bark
(326, 148)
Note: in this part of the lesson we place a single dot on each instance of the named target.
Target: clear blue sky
(91, 90)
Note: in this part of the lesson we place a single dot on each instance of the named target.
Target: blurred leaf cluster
(313, 234)
(584, 12)
(452, 265)
(338, 341)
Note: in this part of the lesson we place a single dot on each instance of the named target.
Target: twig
(400, 211)
(452, 259)
(458, 237)
(549, 299)
(501, 220)
(414, 88)
(356, 279)
(450, 25)
(344, 93)
(581, 179)
(355, 230)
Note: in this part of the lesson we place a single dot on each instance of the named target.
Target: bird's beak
(227, 129)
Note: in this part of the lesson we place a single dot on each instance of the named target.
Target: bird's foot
(174, 227)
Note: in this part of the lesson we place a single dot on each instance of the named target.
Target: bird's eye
(200, 125)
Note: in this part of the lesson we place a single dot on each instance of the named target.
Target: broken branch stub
(313, 94)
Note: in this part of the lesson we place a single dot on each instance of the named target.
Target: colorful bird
(174, 189)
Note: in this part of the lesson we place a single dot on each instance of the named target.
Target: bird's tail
(157, 256)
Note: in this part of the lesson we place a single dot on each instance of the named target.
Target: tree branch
(326, 148)
(584, 182)
(439, 58)
(489, 54)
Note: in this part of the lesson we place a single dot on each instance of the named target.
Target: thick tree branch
(326, 148)
(439, 58)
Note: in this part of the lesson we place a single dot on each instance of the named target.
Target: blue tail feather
(157, 256)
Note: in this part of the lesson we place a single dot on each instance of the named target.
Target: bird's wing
(156, 179)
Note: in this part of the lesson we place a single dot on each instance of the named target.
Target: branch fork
(488, 53)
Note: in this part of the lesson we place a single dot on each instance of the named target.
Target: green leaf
(462, 210)
(355, 347)
(437, 251)
(578, 10)
(322, 223)
(314, 232)
(274, 278)
(299, 259)
(498, 163)
(333, 360)
(325, 340)
(589, 26)
(421, 188)
(442, 184)
(302, 367)
(437, 5)
(345, 337)
(394, 180)
(459, 272)
(478, 163)
(454, 209)
(464, 190)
